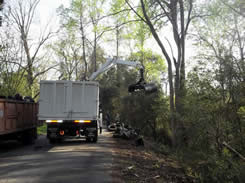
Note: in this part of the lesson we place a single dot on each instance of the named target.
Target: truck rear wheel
(52, 140)
(95, 138)
(88, 139)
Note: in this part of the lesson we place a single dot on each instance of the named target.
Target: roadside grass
(42, 130)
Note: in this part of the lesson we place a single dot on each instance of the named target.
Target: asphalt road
(72, 161)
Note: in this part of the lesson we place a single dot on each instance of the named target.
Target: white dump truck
(70, 108)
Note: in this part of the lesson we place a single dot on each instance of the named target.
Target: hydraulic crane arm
(140, 85)
(111, 62)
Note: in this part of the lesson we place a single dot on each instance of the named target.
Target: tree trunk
(29, 62)
(170, 72)
(95, 47)
(84, 51)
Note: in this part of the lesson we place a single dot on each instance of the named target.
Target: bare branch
(117, 26)
(233, 150)
(232, 8)
(113, 14)
(40, 44)
(189, 16)
(13, 62)
(44, 71)
(164, 10)
(135, 11)
(171, 51)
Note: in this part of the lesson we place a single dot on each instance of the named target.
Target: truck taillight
(62, 132)
(82, 121)
(54, 121)
(87, 121)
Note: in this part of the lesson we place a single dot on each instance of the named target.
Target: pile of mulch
(142, 164)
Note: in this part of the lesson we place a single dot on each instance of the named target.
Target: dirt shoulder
(142, 164)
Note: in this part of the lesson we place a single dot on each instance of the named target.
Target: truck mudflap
(90, 132)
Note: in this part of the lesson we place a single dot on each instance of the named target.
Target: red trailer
(18, 120)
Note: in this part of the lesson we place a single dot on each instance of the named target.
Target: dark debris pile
(18, 97)
(128, 133)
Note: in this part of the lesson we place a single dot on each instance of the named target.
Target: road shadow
(42, 144)
(73, 160)
(9, 145)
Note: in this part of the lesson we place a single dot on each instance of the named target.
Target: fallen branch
(233, 150)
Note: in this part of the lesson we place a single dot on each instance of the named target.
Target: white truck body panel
(69, 100)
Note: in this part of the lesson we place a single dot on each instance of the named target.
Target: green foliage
(241, 112)
(153, 63)
(69, 57)
(112, 90)
(15, 82)
(220, 169)
(213, 117)
(149, 113)
(42, 130)
(215, 97)
(82, 28)
(117, 6)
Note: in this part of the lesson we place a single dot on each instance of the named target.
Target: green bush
(42, 130)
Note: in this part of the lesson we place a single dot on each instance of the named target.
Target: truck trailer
(18, 120)
(70, 109)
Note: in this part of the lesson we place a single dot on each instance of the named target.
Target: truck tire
(52, 140)
(88, 139)
(95, 138)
